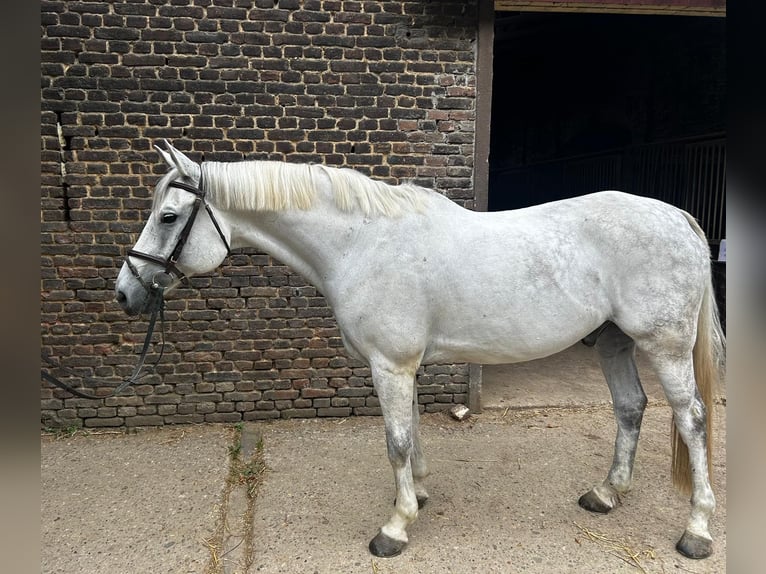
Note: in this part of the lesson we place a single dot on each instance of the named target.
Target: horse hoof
(599, 500)
(693, 546)
(385, 546)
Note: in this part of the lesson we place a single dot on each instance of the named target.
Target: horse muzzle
(144, 297)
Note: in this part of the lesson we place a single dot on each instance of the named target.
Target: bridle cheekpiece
(164, 278)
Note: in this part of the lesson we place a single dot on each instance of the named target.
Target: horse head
(176, 242)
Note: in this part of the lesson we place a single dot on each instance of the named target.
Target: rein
(157, 304)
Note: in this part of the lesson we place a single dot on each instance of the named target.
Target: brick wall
(384, 87)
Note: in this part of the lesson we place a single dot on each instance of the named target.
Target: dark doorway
(584, 102)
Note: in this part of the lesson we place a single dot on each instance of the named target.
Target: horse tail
(709, 358)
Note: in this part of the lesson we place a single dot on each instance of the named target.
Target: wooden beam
(715, 8)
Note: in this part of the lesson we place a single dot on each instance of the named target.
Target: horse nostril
(121, 297)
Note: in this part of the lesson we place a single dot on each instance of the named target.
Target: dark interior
(583, 102)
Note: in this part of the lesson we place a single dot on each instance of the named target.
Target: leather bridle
(154, 302)
(169, 264)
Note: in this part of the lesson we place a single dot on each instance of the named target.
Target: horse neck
(310, 241)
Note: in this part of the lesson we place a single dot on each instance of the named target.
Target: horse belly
(510, 327)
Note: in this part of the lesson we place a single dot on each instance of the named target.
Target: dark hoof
(592, 502)
(693, 546)
(386, 547)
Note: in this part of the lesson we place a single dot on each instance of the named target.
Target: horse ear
(175, 158)
(165, 155)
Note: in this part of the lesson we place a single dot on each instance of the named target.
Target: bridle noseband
(165, 278)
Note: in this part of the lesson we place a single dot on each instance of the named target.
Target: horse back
(453, 284)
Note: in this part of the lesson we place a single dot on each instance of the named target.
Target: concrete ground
(504, 486)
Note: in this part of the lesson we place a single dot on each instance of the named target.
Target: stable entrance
(584, 101)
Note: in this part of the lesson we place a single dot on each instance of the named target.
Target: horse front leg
(395, 389)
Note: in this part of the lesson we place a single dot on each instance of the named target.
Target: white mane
(278, 186)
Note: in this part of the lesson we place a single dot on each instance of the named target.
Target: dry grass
(246, 470)
(619, 548)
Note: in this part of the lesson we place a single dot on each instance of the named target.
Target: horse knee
(399, 445)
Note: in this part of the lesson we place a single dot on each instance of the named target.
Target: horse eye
(169, 217)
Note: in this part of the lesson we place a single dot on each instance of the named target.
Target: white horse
(414, 278)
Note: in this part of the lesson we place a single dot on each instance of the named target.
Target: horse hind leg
(616, 353)
(690, 418)
(418, 461)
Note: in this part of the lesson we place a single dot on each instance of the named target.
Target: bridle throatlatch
(155, 301)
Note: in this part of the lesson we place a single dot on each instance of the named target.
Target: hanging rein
(155, 302)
